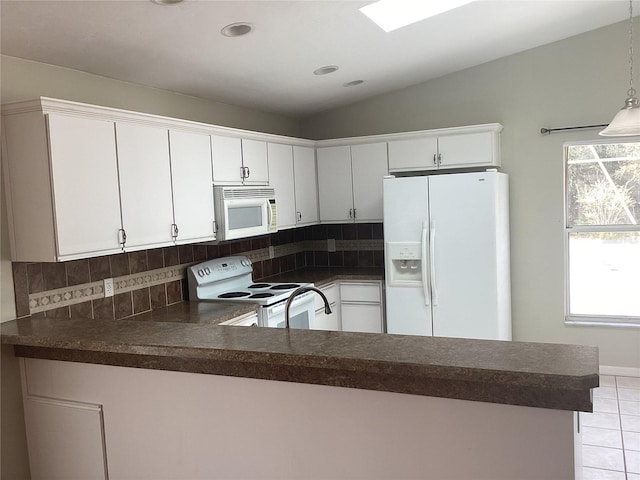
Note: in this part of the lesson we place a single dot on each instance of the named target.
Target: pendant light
(627, 121)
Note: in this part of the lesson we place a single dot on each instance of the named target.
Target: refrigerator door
(406, 221)
(465, 212)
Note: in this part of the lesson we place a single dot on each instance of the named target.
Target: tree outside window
(602, 234)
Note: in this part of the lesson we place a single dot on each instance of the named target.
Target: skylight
(393, 14)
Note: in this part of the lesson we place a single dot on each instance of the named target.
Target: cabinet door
(368, 167)
(471, 149)
(322, 320)
(306, 183)
(65, 439)
(254, 159)
(85, 185)
(145, 185)
(361, 317)
(415, 154)
(192, 186)
(281, 179)
(226, 154)
(334, 184)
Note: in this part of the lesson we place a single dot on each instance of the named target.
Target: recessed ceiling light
(393, 14)
(353, 83)
(236, 29)
(167, 2)
(325, 70)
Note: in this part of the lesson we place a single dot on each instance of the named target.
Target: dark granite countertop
(197, 312)
(529, 374)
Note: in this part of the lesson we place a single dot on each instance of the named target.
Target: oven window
(245, 217)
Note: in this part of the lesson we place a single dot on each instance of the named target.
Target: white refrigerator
(446, 242)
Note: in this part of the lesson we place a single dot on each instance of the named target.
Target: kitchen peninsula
(180, 397)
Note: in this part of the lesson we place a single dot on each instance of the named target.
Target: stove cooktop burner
(234, 295)
(285, 286)
(262, 295)
(260, 285)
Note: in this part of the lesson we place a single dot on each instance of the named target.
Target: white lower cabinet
(324, 321)
(361, 306)
(355, 307)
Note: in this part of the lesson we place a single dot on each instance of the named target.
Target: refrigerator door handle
(432, 261)
(423, 248)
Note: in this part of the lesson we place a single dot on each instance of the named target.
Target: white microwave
(244, 211)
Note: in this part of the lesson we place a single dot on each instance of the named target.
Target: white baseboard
(620, 371)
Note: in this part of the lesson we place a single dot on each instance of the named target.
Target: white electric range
(230, 279)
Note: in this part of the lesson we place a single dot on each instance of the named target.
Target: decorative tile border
(63, 297)
(136, 281)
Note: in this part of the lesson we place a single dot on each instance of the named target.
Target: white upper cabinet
(226, 154)
(254, 161)
(467, 150)
(306, 185)
(84, 174)
(239, 161)
(335, 190)
(80, 178)
(350, 182)
(145, 185)
(462, 147)
(61, 183)
(413, 154)
(191, 182)
(368, 167)
(281, 178)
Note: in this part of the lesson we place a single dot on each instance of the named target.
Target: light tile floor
(611, 434)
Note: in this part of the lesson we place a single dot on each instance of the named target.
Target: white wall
(26, 80)
(578, 81)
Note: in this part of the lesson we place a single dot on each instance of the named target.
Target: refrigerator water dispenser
(404, 264)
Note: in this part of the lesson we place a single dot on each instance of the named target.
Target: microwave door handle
(269, 213)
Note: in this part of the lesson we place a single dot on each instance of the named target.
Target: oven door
(301, 313)
(246, 217)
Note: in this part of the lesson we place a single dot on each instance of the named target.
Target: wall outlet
(108, 287)
(272, 252)
(331, 245)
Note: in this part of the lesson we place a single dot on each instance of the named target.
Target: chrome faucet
(298, 291)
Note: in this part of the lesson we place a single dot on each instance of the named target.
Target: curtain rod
(551, 130)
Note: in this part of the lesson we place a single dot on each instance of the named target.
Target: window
(602, 233)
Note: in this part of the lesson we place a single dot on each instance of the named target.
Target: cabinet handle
(243, 172)
(248, 172)
(351, 213)
(439, 159)
(299, 216)
(435, 159)
(215, 227)
(354, 213)
(174, 230)
(122, 237)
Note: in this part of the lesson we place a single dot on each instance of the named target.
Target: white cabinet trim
(52, 105)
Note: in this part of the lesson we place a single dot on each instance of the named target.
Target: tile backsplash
(152, 279)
